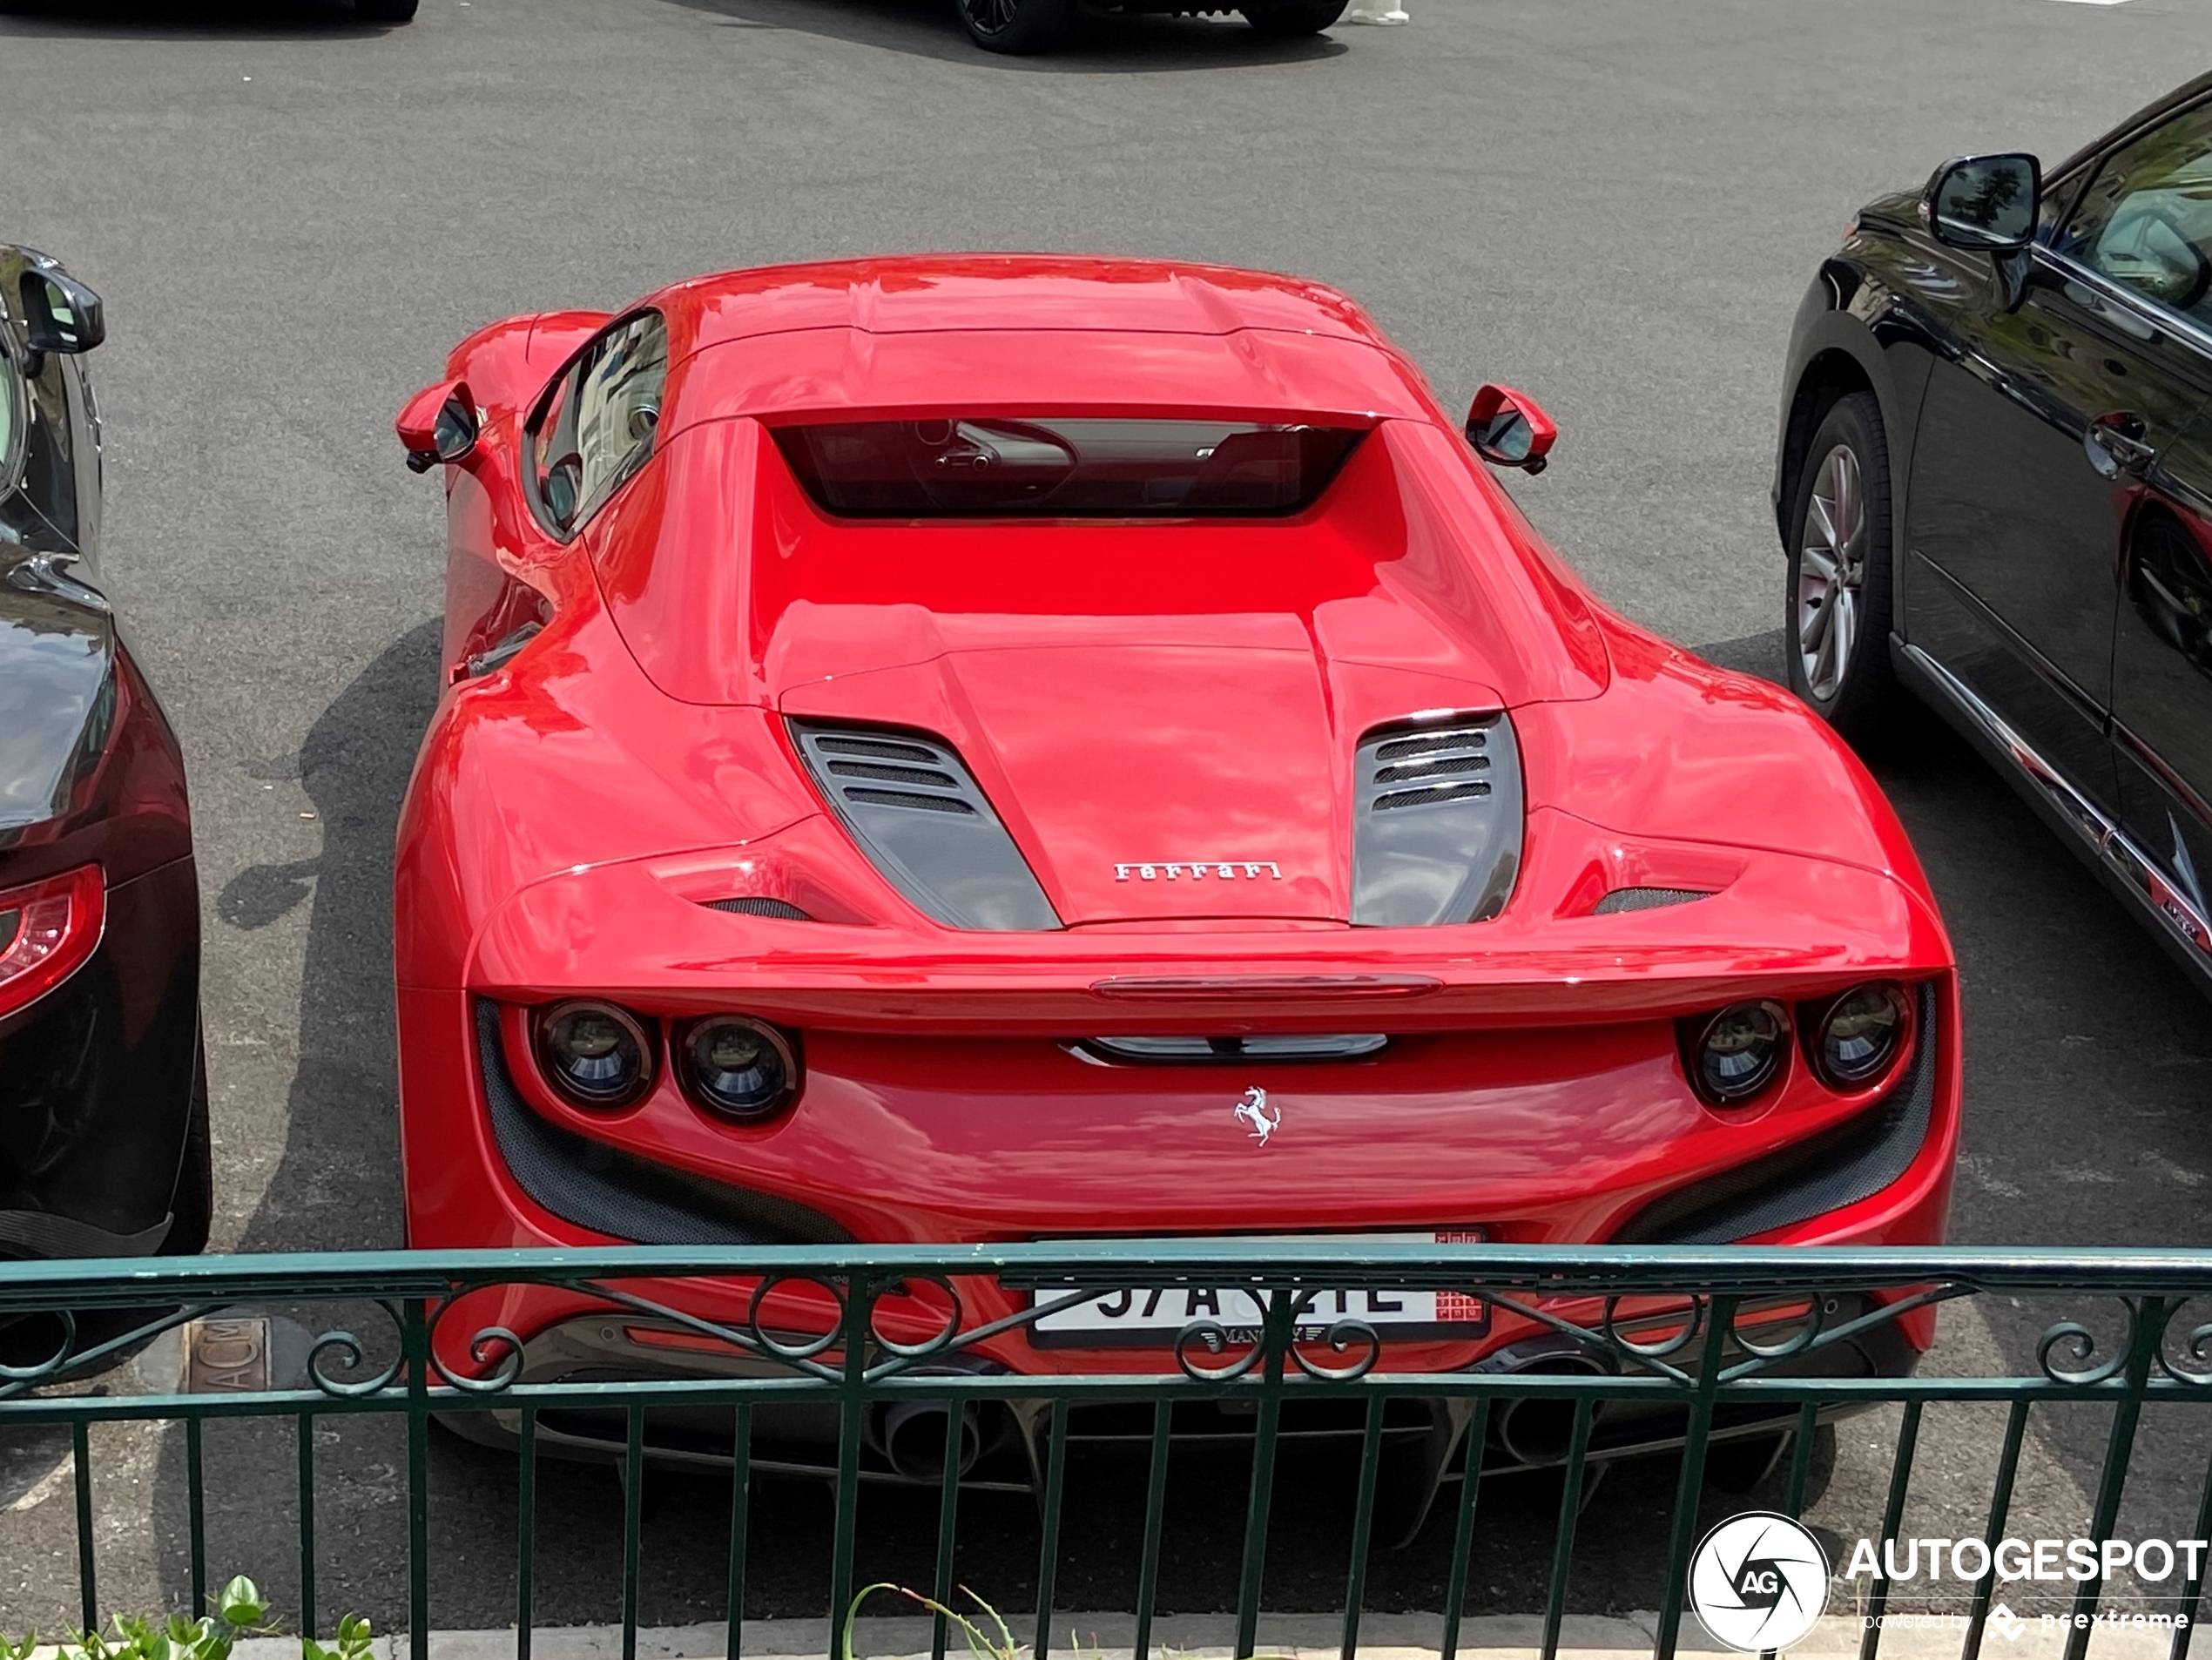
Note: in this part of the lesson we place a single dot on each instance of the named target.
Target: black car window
(2146, 218)
(595, 425)
(12, 421)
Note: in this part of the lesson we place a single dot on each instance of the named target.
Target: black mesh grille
(619, 1194)
(1428, 743)
(1646, 899)
(883, 748)
(1433, 794)
(1841, 1166)
(911, 801)
(751, 906)
(1450, 767)
(883, 775)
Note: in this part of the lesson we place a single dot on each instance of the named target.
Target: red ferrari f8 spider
(968, 749)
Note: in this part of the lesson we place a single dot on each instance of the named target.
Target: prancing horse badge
(1252, 1110)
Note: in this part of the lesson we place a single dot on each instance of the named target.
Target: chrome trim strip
(2184, 329)
(2111, 845)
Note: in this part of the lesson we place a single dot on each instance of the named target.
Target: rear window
(976, 467)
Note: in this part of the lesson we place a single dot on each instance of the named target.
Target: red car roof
(1133, 335)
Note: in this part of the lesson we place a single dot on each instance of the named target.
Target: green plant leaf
(240, 1604)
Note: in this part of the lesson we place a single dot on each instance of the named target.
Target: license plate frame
(1435, 1316)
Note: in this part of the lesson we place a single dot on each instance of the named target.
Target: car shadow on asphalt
(2067, 1001)
(1104, 44)
(172, 19)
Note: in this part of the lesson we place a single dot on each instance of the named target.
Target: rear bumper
(491, 1162)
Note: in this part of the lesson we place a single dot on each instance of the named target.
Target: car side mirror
(1984, 202)
(1508, 428)
(60, 315)
(438, 423)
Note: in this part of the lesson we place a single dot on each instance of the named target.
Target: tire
(191, 1211)
(1840, 603)
(1301, 17)
(386, 11)
(1017, 26)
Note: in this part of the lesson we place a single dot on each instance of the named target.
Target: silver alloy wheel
(990, 16)
(1831, 571)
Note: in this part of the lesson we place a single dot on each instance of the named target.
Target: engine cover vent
(911, 803)
(751, 905)
(1646, 899)
(1436, 819)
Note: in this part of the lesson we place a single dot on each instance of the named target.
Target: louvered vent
(1436, 834)
(1646, 899)
(916, 811)
(751, 906)
(892, 772)
(1424, 768)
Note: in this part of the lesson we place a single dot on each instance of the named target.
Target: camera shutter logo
(1758, 1580)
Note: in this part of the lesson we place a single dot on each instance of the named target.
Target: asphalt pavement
(1612, 204)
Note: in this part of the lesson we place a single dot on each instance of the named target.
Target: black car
(1039, 25)
(104, 1142)
(1994, 486)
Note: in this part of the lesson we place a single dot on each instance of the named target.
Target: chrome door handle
(2115, 443)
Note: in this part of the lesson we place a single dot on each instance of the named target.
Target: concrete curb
(1294, 1636)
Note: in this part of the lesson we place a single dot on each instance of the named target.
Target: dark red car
(990, 748)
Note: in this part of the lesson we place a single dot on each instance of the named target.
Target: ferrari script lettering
(1199, 870)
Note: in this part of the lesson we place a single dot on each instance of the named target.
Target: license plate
(1153, 1318)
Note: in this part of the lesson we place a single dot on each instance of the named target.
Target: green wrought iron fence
(1624, 1350)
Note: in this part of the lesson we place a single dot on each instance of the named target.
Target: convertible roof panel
(1134, 337)
(926, 294)
(847, 374)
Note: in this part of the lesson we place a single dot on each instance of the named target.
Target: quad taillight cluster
(600, 1056)
(1852, 1040)
(47, 930)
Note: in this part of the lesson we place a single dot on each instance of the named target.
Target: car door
(47, 410)
(2144, 234)
(2039, 435)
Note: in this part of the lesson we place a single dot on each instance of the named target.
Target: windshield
(988, 467)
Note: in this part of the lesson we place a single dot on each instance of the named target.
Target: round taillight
(1737, 1052)
(737, 1067)
(1860, 1034)
(594, 1053)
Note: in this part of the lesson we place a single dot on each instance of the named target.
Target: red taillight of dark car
(47, 930)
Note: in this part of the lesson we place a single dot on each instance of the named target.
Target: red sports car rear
(972, 749)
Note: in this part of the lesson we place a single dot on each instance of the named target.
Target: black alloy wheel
(1838, 636)
(1299, 18)
(1018, 25)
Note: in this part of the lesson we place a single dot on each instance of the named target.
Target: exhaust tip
(1538, 1432)
(912, 1434)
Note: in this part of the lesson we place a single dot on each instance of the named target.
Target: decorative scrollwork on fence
(941, 1341)
(351, 1355)
(2081, 1343)
(2197, 1349)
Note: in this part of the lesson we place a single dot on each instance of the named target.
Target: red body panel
(1157, 691)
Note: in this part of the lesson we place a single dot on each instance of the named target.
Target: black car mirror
(1984, 202)
(60, 313)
